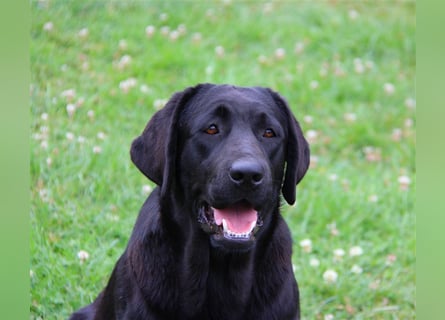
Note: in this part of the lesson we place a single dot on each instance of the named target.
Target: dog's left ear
(297, 154)
(154, 151)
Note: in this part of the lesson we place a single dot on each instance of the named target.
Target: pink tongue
(239, 218)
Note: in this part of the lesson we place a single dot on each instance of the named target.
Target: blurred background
(99, 70)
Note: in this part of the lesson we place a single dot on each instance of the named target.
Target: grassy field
(101, 69)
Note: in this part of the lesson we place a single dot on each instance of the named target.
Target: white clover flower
(333, 229)
(267, 7)
(338, 71)
(127, 84)
(44, 144)
(43, 193)
(145, 88)
(44, 116)
(124, 61)
(404, 182)
(85, 65)
(308, 119)
(68, 94)
(97, 149)
(174, 35)
(197, 37)
(311, 136)
(338, 254)
(146, 189)
(90, 114)
(280, 53)
(165, 30)
(69, 136)
(372, 154)
(373, 198)
(350, 117)
(209, 70)
(408, 122)
(48, 26)
(313, 161)
(355, 251)
(83, 33)
(219, 50)
(83, 255)
(49, 161)
(389, 88)
(37, 136)
(333, 177)
(150, 31)
(182, 29)
(390, 259)
(80, 101)
(313, 84)
(356, 269)
(81, 139)
(329, 317)
(353, 14)
(306, 244)
(44, 130)
(262, 59)
(113, 217)
(330, 276)
(70, 109)
(159, 103)
(101, 135)
(410, 103)
(314, 262)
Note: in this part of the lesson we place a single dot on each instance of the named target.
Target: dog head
(226, 152)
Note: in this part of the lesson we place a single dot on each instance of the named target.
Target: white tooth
(233, 234)
(252, 225)
(225, 227)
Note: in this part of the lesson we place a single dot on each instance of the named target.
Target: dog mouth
(236, 222)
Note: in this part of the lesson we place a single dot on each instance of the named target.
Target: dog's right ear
(153, 152)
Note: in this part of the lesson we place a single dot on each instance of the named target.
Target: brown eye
(269, 133)
(212, 129)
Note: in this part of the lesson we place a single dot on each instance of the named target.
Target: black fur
(173, 266)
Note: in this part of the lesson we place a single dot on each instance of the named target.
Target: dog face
(227, 152)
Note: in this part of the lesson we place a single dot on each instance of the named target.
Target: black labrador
(210, 242)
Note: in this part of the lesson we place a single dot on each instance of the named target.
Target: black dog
(209, 242)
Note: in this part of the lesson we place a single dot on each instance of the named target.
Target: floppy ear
(297, 154)
(154, 151)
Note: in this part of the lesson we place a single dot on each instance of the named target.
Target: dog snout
(247, 173)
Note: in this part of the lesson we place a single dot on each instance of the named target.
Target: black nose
(246, 172)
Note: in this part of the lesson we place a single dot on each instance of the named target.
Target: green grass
(89, 201)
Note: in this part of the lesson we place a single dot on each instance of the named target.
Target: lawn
(99, 70)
